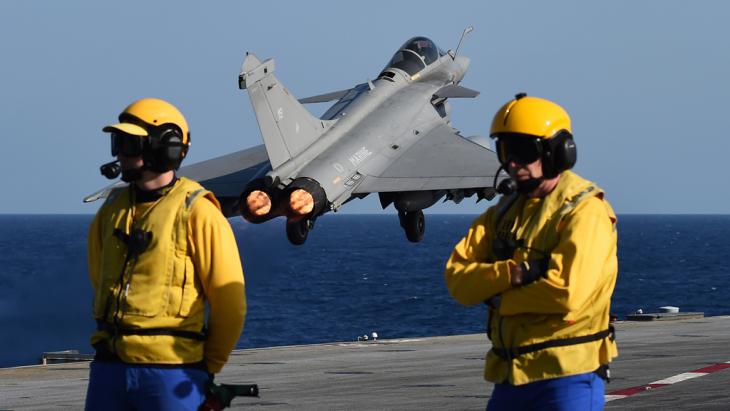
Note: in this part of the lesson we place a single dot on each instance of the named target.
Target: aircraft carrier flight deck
(679, 365)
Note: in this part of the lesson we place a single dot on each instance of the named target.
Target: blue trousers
(576, 392)
(120, 386)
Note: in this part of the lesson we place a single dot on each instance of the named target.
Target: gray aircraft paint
(365, 135)
(391, 136)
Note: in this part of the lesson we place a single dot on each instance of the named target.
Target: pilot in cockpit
(415, 55)
(425, 48)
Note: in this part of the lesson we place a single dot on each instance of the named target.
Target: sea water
(356, 274)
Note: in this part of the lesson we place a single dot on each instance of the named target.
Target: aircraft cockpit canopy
(415, 55)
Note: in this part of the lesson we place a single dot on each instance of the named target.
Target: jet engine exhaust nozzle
(306, 197)
(259, 203)
(301, 202)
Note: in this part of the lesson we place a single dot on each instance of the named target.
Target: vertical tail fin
(286, 126)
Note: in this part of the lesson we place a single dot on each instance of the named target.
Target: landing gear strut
(414, 224)
(297, 231)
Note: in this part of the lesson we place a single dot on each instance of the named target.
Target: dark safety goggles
(522, 149)
(126, 145)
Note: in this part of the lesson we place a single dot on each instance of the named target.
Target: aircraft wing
(440, 160)
(456, 91)
(323, 98)
(227, 176)
(103, 192)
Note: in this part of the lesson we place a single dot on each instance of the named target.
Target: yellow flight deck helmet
(530, 128)
(163, 130)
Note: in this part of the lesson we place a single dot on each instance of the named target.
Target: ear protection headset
(165, 149)
(558, 154)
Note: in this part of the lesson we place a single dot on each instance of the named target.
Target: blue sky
(646, 83)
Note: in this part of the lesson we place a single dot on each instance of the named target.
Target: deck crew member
(159, 249)
(544, 261)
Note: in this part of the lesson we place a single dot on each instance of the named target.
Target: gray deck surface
(421, 373)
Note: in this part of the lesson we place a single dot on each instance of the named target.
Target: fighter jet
(391, 136)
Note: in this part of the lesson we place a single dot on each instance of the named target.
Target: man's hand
(528, 272)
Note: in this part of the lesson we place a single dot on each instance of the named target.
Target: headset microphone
(111, 170)
(507, 186)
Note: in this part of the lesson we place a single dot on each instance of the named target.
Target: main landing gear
(297, 231)
(414, 224)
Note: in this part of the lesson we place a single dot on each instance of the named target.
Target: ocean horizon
(357, 274)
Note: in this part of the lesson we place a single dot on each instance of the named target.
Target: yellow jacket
(192, 256)
(575, 226)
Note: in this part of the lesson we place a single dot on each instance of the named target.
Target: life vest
(149, 305)
(529, 347)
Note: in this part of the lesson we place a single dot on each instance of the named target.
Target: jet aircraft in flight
(391, 136)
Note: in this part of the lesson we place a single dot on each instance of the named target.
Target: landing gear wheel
(297, 231)
(415, 225)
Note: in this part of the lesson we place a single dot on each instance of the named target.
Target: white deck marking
(680, 377)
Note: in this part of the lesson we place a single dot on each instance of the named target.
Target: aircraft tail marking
(286, 126)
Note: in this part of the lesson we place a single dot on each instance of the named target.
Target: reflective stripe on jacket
(573, 226)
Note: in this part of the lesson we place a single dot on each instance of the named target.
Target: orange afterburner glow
(259, 203)
(301, 202)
